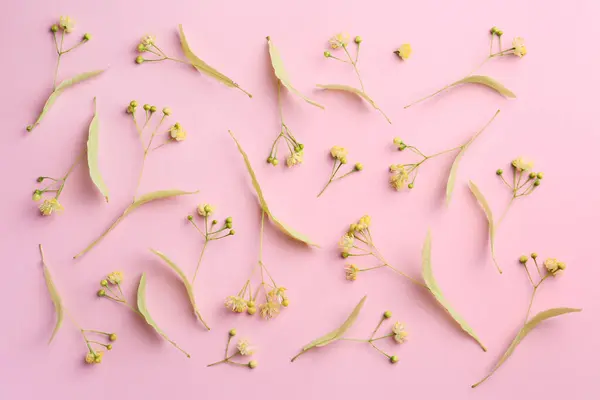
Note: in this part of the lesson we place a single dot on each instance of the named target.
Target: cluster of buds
(243, 348)
(95, 356)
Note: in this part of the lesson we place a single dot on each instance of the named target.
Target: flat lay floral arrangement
(263, 294)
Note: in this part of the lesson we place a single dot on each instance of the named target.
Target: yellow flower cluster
(245, 348)
(522, 164)
(50, 206)
(399, 178)
(554, 267)
(236, 304)
(400, 333)
(339, 40)
(519, 48)
(94, 358)
(177, 132)
(115, 277)
(66, 23)
(404, 51)
(205, 210)
(339, 153)
(352, 272)
(295, 158)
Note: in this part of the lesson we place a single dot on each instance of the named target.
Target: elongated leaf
(282, 75)
(141, 200)
(437, 292)
(356, 92)
(92, 155)
(54, 295)
(486, 81)
(454, 170)
(143, 309)
(203, 66)
(263, 203)
(67, 83)
(529, 326)
(186, 283)
(490, 217)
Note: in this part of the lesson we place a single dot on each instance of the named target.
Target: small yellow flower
(400, 333)
(553, 266)
(66, 23)
(338, 152)
(522, 164)
(206, 210)
(148, 40)
(277, 294)
(363, 223)
(99, 356)
(404, 51)
(270, 309)
(519, 47)
(295, 158)
(177, 132)
(115, 277)
(236, 304)
(244, 348)
(50, 206)
(339, 40)
(399, 176)
(346, 243)
(351, 272)
(90, 358)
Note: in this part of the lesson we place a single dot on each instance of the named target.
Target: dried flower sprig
(341, 41)
(551, 268)
(93, 355)
(404, 51)
(148, 45)
(358, 242)
(339, 156)
(295, 148)
(173, 134)
(404, 175)
(518, 49)
(65, 25)
(275, 296)
(397, 332)
(524, 182)
(111, 289)
(242, 348)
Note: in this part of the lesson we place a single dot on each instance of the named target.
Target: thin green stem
(362, 86)
(330, 179)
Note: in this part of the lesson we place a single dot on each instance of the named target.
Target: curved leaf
(67, 83)
(203, 66)
(490, 217)
(486, 81)
(454, 170)
(282, 75)
(263, 203)
(357, 92)
(54, 295)
(143, 309)
(186, 283)
(337, 333)
(92, 155)
(437, 292)
(529, 326)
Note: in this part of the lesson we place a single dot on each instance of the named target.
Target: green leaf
(490, 217)
(437, 292)
(54, 295)
(529, 326)
(263, 203)
(203, 66)
(141, 200)
(282, 75)
(143, 309)
(186, 283)
(336, 333)
(356, 92)
(454, 170)
(486, 81)
(67, 83)
(92, 155)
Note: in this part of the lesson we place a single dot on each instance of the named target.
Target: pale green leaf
(67, 83)
(263, 203)
(282, 75)
(203, 66)
(143, 309)
(54, 295)
(490, 217)
(92, 155)
(486, 81)
(356, 92)
(186, 283)
(437, 292)
(454, 170)
(529, 326)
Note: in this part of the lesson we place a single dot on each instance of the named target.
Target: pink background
(553, 121)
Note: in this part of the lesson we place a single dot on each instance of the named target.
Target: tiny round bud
(112, 337)
(534, 255)
(499, 32)
(166, 111)
(232, 332)
(537, 182)
(251, 310)
(269, 160)
(104, 282)
(343, 160)
(87, 36)
(532, 175)
(253, 364)
(37, 195)
(190, 217)
(54, 28)
(141, 48)
(285, 302)
(275, 161)
(327, 54)
(214, 222)
(493, 30)
(499, 172)
(232, 232)
(358, 166)
(523, 259)
(411, 185)
(139, 59)
(133, 103)
(345, 255)
(228, 220)
(394, 359)
(147, 107)
(228, 225)
(357, 40)
(251, 303)
(540, 175)
(387, 314)
(297, 149)
(109, 347)
(29, 128)
(153, 109)
(402, 146)
(40, 179)
(101, 293)
(129, 110)
(561, 265)
(301, 145)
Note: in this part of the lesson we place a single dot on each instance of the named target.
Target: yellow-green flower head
(148, 40)
(115, 277)
(338, 152)
(236, 304)
(245, 348)
(295, 158)
(206, 210)
(90, 358)
(553, 266)
(339, 40)
(522, 164)
(99, 356)
(346, 242)
(399, 177)
(404, 51)
(400, 333)
(50, 206)
(270, 309)
(519, 48)
(66, 23)
(351, 272)
(177, 132)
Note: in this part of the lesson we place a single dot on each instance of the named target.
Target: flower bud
(394, 359)
(540, 175)
(190, 217)
(343, 160)
(214, 222)
(358, 40)
(101, 293)
(228, 225)
(411, 185)
(40, 179)
(104, 282)
(232, 232)
(402, 146)
(285, 302)
(251, 310)
(37, 195)
(387, 314)
(499, 32)
(232, 332)
(112, 337)
(253, 364)
(109, 347)
(275, 161)
(251, 303)
(139, 59)
(141, 48)
(29, 128)
(147, 107)
(537, 182)
(345, 255)
(499, 172)
(358, 166)
(166, 111)
(493, 30)
(301, 145)
(269, 160)
(153, 109)
(54, 28)
(532, 175)
(534, 255)
(87, 36)
(327, 54)
(523, 259)
(133, 103)
(228, 220)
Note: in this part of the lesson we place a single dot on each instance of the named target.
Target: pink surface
(553, 121)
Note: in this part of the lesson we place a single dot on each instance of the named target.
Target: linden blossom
(339, 155)
(242, 348)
